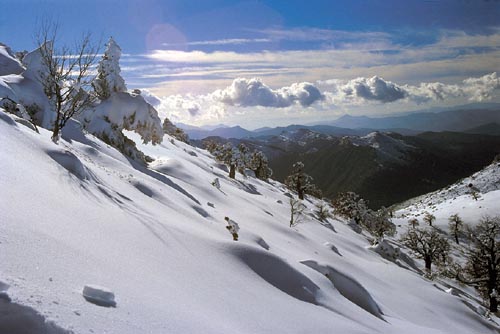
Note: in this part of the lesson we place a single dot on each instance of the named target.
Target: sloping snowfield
(79, 214)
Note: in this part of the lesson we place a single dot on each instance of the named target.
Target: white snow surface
(457, 199)
(8, 62)
(81, 212)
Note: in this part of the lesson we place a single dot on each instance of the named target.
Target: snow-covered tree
(350, 206)
(170, 129)
(230, 156)
(109, 80)
(413, 222)
(299, 181)
(483, 263)
(244, 157)
(429, 218)
(65, 75)
(259, 164)
(427, 244)
(378, 223)
(455, 224)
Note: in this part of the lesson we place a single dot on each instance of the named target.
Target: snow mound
(99, 295)
(8, 62)
(348, 287)
(70, 162)
(279, 274)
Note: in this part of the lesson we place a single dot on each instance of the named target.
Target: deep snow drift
(80, 214)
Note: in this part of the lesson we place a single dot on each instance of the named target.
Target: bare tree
(455, 223)
(427, 245)
(483, 263)
(66, 74)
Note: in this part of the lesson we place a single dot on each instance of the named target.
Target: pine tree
(230, 156)
(109, 80)
(350, 206)
(299, 181)
(378, 223)
(259, 164)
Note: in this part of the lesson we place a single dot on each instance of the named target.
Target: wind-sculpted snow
(156, 237)
(69, 162)
(348, 287)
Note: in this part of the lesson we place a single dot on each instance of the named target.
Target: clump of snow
(99, 295)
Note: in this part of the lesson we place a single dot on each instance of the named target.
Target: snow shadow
(70, 162)
(348, 287)
(162, 178)
(20, 319)
(279, 274)
(249, 188)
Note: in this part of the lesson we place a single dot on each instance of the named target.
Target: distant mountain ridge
(459, 119)
(450, 120)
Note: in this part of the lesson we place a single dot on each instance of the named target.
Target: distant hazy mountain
(224, 132)
(492, 129)
(449, 120)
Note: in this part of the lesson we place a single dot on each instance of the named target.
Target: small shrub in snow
(322, 212)
(232, 227)
(296, 211)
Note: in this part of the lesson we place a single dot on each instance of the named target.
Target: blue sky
(298, 61)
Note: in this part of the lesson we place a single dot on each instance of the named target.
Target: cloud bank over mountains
(248, 95)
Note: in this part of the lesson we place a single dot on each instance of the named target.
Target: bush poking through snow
(99, 295)
(296, 211)
(232, 227)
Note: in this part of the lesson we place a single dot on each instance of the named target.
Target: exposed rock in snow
(99, 295)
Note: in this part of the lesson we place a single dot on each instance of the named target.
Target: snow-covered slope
(80, 215)
(458, 198)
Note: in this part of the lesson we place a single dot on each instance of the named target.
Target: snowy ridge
(458, 198)
(387, 147)
(80, 213)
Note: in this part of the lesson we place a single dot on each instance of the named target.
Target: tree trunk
(493, 304)
(55, 132)
(456, 238)
(232, 171)
(428, 263)
(300, 191)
